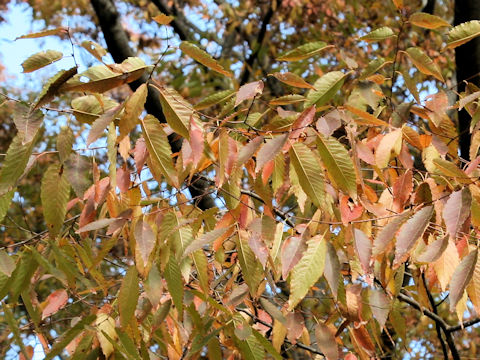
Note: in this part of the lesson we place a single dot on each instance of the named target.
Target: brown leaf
(140, 154)
(363, 247)
(402, 188)
(269, 150)
(348, 210)
(196, 141)
(363, 339)
(380, 305)
(295, 323)
(434, 250)
(292, 250)
(145, 239)
(249, 91)
(99, 125)
(332, 269)
(328, 123)
(292, 80)
(388, 232)
(54, 302)
(123, 179)
(326, 341)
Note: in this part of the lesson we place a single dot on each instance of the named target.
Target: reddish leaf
(380, 305)
(294, 326)
(363, 247)
(328, 123)
(410, 232)
(300, 125)
(269, 150)
(388, 232)
(291, 253)
(145, 239)
(363, 339)
(402, 188)
(123, 179)
(457, 210)
(332, 269)
(140, 154)
(461, 277)
(256, 242)
(349, 211)
(196, 141)
(326, 341)
(249, 91)
(54, 302)
(434, 250)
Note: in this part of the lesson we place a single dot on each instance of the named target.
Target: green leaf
(41, 59)
(14, 163)
(373, 66)
(287, 100)
(463, 33)
(215, 98)
(338, 164)
(250, 348)
(308, 270)
(54, 192)
(448, 168)
(133, 109)
(267, 345)
(326, 88)
(204, 239)
(304, 51)
(68, 336)
(7, 265)
(427, 21)
(177, 110)
(13, 327)
(128, 296)
(175, 284)
(88, 108)
(461, 277)
(52, 86)
(307, 168)
(27, 122)
(65, 140)
(5, 201)
(203, 58)
(251, 269)
(102, 78)
(201, 265)
(379, 34)
(22, 275)
(423, 62)
(160, 153)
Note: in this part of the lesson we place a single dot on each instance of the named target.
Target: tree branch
(118, 45)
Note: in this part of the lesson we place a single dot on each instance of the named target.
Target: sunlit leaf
(41, 59)
(174, 283)
(269, 150)
(214, 99)
(325, 88)
(434, 250)
(461, 277)
(378, 34)
(145, 239)
(203, 58)
(457, 210)
(163, 19)
(249, 91)
(55, 192)
(94, 49)
(101, 123)
(133, 109)
(204, 239)
(54, 302)
(128, 296)
(423, 62)
(292, 80)
(52, 87)
(304, 51)
(60, 31)
(463, 33)
(308, 270)
(27, 122)
(7, 265)
(427, 21)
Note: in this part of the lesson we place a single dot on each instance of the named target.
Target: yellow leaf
(203, 58)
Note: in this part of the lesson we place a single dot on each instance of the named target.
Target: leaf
(248, 150)
(291, 253)
(390, 143)
(326, 341)
(251, 349)
(105, 327)
(133, 109)
(461, 277)
(14, 163)
(201, 265)
(52, 87)
(102, 122)
(307, 168)
(54, 302)
(94, 49)
(249, 91)
(269, 150)
(88, 108)
(65, 140)
(54, 192)
(177, 110)
(457, 210)
(304, 51)
(363, 248)
(308, 270)
(332, 269)
(7, 265)
(27, 122)
(204, 239)
(326, 88)
(175, 284)
(14, 329)
(450, 169)
(5, 201)
(292, 80)
(102, 78)
(163, 19)
(60, 31)
(427, 21)
(380, 305)
(216, 98)
(203, 58)
(159, 150)
(474, 287)
(145, 239)
(423, 62)
(378, 34)
(410, 232)
(402, 188)
(463, 33)
(128, 296)
(41, 59)
(434, 250)
(338, 164)
(365, 118)
(446, 264)
(251, 268)
(78, 172)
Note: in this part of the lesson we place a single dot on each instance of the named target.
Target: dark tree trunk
(467, 58)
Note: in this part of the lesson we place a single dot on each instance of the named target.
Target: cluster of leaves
(337, 210)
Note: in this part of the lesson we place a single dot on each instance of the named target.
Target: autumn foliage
(308, 203)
